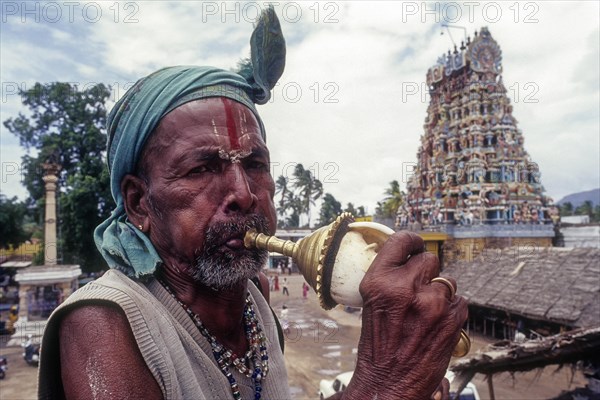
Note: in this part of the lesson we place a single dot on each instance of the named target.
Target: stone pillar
(23, 302)
(50, 178)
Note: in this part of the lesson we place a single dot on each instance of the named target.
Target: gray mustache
(218, 233)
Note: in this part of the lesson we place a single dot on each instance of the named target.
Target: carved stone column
(50, 178)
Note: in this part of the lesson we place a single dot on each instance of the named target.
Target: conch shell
(334, 259)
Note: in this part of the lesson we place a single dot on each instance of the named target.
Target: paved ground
(326, 348)
(319, 345)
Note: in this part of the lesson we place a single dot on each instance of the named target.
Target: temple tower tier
(472, 166)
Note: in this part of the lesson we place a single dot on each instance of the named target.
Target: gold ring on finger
(448, 284)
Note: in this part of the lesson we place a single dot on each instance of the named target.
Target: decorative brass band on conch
(255, 240)
(315, 256)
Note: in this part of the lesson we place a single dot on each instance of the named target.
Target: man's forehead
(224, 121)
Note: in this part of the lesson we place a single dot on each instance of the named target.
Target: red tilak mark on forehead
(230, 122)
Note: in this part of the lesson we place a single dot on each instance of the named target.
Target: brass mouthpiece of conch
(334, 259)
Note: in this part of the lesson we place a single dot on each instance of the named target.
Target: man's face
(208, 181)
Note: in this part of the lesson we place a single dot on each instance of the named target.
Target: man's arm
(100, 358)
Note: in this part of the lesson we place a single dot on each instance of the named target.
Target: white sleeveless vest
(179, 357)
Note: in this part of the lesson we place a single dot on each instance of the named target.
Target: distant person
(305, 289)
(285, 323)
(284, 286)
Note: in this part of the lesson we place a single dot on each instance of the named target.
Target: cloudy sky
(351, 102)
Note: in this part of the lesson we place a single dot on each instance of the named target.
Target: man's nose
(239, 197)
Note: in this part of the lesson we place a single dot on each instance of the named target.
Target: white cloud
(368, 58)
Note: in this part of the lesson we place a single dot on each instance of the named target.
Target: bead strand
(254, 364)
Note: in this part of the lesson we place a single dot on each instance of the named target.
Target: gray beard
(222, 270)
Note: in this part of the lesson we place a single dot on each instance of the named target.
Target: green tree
(282, 189)
(566, 209)
(292, 219)
(12, 216)
(289, 206)
(66, 124)
(361, 211)
(393, 200)
(596, 217)
(308, 187)
(330, 209)
(350, 208)
(586, 208)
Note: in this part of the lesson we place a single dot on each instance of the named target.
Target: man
(176, 316)
(284, 286)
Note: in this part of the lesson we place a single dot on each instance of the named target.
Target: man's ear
(135, 198)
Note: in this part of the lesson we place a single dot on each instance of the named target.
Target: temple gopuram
(474, 182)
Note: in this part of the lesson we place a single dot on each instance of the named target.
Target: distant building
(580, 236)
(575, 219)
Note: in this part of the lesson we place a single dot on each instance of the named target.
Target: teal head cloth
(135, 116)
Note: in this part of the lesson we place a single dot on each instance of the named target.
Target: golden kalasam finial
(334, 259)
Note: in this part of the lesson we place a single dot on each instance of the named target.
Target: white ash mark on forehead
(214, 125)
(242, 118)
(244, 136)
(234, 156)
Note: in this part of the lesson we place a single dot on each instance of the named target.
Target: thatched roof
(565, 348)
(560, 285)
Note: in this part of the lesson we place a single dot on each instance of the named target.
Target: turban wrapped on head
(135, 116)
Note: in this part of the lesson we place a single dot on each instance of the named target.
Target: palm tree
(393, 200)
(281, 187)
(309, 188)
(290, 206)
(566, 209)
(293, 219)
(587, 208)
(350, 208)
(330, 209)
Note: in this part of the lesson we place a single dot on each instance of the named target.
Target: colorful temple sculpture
(473, 178)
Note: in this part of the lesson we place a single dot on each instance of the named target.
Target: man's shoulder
(91, 321)
(95, 306)
(101, 301)
(98, 337)
(112, 286)
(113, 276)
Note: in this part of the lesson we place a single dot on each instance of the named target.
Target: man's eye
(201, 169)
(257, 165)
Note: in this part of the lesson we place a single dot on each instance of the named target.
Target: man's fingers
(426, 264)
(447, 285)
(397, 250)
(443, 391)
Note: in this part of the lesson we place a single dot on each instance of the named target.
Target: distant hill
(577, 199)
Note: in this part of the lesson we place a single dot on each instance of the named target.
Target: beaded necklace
(254, 364)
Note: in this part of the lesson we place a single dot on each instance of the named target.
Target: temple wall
(581, 236)
(467, 249)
